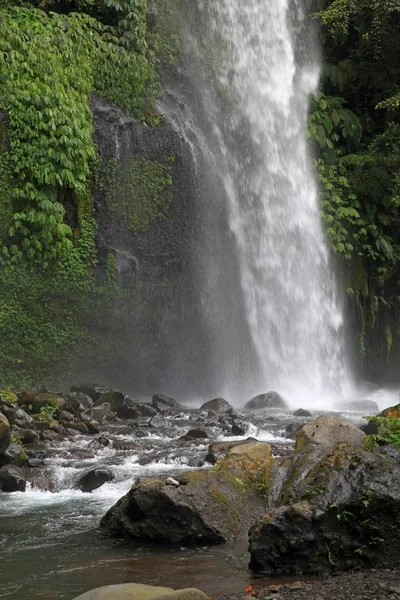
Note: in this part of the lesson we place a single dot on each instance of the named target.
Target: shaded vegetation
(355, 130)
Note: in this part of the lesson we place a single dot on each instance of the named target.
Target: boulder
(238, 428)
(266, 401)
(114, 398)
(128, 410)
(79, 401)
(343, 515)
(391, 411)
(217, 405)
(208, 509)
(8, 397)
(93, 479)
(300, 412)
(165, 403)
(5, 433)
(98, 413)
(327, 431)
(22, 419)
(80, 427)
(12, 479)
(368, 407)
(14, 455)
(54, 402)
(198, 433)
(137, 591)
(28, 436)
(93, 390)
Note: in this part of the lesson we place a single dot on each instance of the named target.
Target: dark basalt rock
(93, 479)
(165, 403)
(12, 479)
(301, 412)
(207, 509)
(265, 401)
(93, 390)
(333, 505)
(216, 405)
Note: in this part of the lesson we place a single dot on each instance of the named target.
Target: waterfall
(253, 66)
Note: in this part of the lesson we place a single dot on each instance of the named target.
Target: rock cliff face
(145, 208)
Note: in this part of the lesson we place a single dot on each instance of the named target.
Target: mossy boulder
(8, 396)
(207, 507)
(54, 402)
(14, 455)
(114, 398)
(137, 591)
(81, 427)
(334, 506)
(391, 411)
(5, 433)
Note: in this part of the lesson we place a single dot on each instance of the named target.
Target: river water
(49, 545)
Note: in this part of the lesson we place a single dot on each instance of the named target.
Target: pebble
(172, 481)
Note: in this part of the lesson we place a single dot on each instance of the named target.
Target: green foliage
(17, 439)
(355, 131)
(388, 430)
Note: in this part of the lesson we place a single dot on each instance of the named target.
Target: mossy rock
(113, 397)
(8, 396)
(14, 455)
(208, 507)
(81, 427)
(391, 411)
(5, 433)
(42, 401)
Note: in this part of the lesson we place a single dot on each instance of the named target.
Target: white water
(255, 98)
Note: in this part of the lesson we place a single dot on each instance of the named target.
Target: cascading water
(254, 65)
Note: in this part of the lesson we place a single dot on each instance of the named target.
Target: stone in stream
(93, 479)
(12, 479)
(93, 390)
(265, 401)
(98, 413)
(334, 505)
(5, 433)
(196, 434)
(114, 398)
(14, 455)
(301, 412)
(208, 509)
(137, 591)
(165, 403)
(216, 405)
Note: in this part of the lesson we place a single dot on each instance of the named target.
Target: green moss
(8, 396)
(141, 193)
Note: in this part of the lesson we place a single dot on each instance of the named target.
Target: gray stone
(216, 405)
(12, 479)
(93, 479)
(266, 401)
(98, 413)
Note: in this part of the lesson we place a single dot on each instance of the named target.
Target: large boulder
(344, 516)
(98, 413)
(217, 405)
(206, 508)
(12, 479)
(266, 401)
(5, 433)
(368, 407)
(93, 479)
(137, 591)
